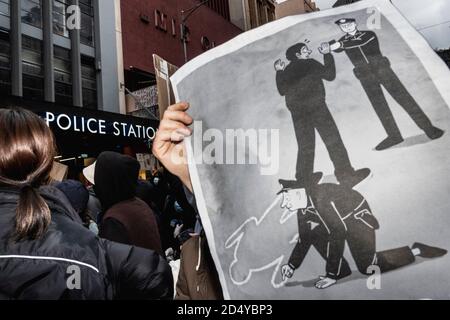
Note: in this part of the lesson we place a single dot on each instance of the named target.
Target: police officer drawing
(374, 71)
(331, 215)
(301, 83)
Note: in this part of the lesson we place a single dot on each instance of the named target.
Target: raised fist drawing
(279, 65)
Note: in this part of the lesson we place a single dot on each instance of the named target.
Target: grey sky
(424, 15)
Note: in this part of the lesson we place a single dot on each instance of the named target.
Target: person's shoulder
(367, 33)
(70, 230)
(304, 64)
(312, 63)
(133, 210)
(289, 66)
(140, 205)
(64, 242)
(123, 206)
(336, 192)
(343, 38)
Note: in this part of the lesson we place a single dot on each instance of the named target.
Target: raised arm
(281, 77)
(168, 147)
(282, 83)
(328, 70)
(363, 39)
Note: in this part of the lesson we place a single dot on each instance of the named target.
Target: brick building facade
(153, 27)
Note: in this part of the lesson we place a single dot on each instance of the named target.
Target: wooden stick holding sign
(164, 70)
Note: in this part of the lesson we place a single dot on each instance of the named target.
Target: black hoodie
(116, 178)
(126, 219)
(40, 269)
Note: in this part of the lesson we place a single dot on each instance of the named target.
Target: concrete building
(249, 14)
(62, 51)
(62, 59)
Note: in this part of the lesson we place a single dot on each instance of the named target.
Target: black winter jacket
(70, 262)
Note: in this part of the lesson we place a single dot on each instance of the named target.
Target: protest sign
(163, 71)
(320, 157)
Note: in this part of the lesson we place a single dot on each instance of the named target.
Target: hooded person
(126, 219)
(77, 194)
(79, 197)
(94, 207)
(146, 191)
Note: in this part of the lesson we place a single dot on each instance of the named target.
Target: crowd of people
(111, 237)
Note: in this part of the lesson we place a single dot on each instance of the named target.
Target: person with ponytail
(45, 253)
(27, 150)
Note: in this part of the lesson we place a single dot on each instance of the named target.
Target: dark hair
(291, 53)
(27, 150)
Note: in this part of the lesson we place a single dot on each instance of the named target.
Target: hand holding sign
(168, 147)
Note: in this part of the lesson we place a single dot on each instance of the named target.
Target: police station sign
(98, 126)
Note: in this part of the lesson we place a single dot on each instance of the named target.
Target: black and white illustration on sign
(333, 215)
(374, 71)
(301, 82)
(343, 119)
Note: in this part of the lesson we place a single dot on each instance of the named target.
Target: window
(33, 75)
(87, 22)
(63, 76)
(160, 20)
(60, 17)
(31, 12)
(4, 8)
(5, 65)
(89, 82)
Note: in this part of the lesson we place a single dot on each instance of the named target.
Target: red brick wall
(220, 6)
(141, 40)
